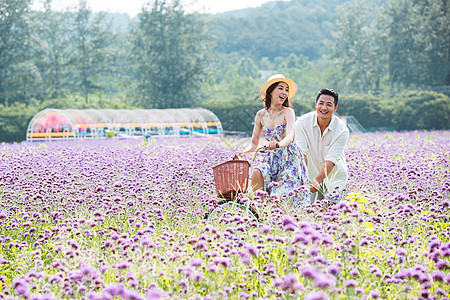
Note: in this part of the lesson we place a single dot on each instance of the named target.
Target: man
(322, 138)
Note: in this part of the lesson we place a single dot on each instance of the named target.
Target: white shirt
(319, 148)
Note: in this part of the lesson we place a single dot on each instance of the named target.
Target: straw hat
(278, 78)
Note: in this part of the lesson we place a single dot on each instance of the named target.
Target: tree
(418, 41)
(91, 55)
(357, 47)
(247, 67)
(14, 55)
(53, 49)
(437, 19)
(171, 50)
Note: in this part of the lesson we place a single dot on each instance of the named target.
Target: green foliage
(171, 48)
(235, 118)
(17, 73)
(405, 45)
(14, 120)
(357, 48)
(92, 36)
(110, 134)
(407, 111)
(247, 67)
(52, 51)
(305, 73)
(277, 28)
(417, 41)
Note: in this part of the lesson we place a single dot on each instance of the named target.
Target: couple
(312, 146)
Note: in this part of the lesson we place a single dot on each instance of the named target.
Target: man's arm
(326, 168)
(331, 158)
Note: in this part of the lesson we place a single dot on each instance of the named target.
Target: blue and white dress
(284, 170)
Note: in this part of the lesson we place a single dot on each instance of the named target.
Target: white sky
(132, 7)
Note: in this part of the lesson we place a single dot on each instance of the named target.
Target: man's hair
(330, 92)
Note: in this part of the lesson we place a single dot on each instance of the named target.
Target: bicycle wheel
(230, 212)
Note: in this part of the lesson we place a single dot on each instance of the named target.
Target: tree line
(48, 54)
(166, 57)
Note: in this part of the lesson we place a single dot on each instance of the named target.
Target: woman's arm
(256, 135)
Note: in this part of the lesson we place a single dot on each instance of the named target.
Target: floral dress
(284, 170)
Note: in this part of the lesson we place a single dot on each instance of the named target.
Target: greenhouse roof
(79, 123)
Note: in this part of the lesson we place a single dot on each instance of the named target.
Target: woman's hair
(269, 91)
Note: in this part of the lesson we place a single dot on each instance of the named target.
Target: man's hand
(314, 186)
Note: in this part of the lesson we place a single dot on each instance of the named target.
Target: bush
(14, 120)
(110, 134)
(407, 111)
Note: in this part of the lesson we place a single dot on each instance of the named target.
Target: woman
(283, 170)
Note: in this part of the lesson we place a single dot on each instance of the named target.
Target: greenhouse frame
(71, 124)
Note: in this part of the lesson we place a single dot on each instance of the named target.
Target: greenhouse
(69, 124)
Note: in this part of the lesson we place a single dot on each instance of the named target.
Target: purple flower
(308, 270)
(290, 283)
(438, 275)
(196, 262)
(424, 293)
(442, 264)
(334, 269)
(324, 281)
(364, 242)
(122, 265)
(251, 250)
(441, 292)
(224, 261)
(374, 294)
(289, 227)
(21, 287)
(288, 220)
(317, 295)
(400, 251)
(115, 289)
(300, 238)
(351, 283)
(266, 228)
(272, 184)
(184, 284)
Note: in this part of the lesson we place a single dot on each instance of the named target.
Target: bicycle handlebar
(261, 149)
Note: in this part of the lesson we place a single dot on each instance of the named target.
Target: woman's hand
(239, 155)
(272, 145)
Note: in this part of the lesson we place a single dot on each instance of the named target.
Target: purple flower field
(121, 219)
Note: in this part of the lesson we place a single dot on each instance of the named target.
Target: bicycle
(233, 178)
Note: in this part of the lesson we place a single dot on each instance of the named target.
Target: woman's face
(280, 93)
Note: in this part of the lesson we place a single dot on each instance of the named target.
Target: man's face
(325, 107)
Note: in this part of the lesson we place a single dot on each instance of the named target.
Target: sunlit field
(121, 219)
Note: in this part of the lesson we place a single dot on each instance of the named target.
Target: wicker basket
(231, 178)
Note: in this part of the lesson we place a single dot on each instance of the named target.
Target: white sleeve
(301, 137)
(337, 147)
